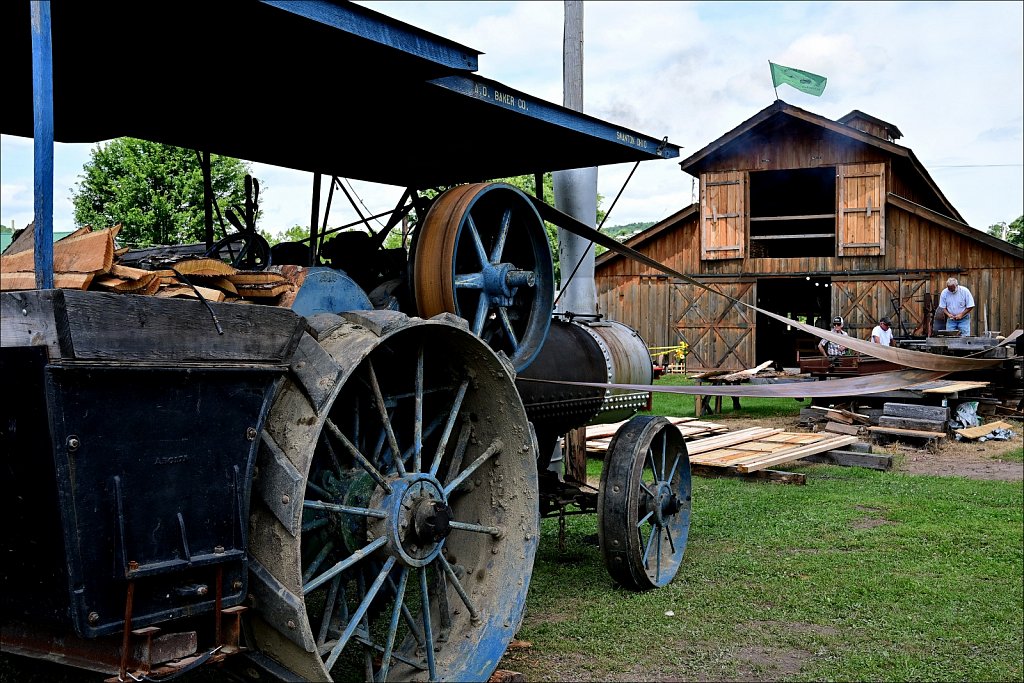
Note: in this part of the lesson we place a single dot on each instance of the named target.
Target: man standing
(958, 303)
(831, 348)
(882, 334)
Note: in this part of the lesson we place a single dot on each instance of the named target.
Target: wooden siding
(723, 215)
(919, 256)
(860, 216)
(719, 331)
(801, 146)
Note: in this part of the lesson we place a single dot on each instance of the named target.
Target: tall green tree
(1012, 233)
(154, 191)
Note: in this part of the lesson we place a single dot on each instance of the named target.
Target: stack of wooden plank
(909, 420)
(599, 437)
(87, 259)
(759, 448)
(841, 421)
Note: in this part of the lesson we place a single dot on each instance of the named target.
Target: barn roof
(316, 85)
(773, 119)
(893, 132)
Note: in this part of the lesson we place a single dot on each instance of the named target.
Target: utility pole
(575, 189)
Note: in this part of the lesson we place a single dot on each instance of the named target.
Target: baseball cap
(838, 320)
(884, 320)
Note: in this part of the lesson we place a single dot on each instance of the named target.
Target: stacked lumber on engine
(87, 259)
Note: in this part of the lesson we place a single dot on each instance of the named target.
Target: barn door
(860, 219)
(723, 206)
(719, 332)
(862, 301)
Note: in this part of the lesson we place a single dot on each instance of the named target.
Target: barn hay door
(862, 301)
(860, 222)
(723, 215)
(719, 331)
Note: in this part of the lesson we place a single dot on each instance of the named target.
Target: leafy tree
(1012, 233)
(154, 190)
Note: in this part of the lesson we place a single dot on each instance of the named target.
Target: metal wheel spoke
(310, 486)
(314, 524)
(328, 612)
(657, 571)
(407, 616)
(360, 458)
(460, 450)
(499, 245)
(344, 564)
(428, 631)
(478, 528)
(382, 409)
(668, 535)
(357, 616)
(483, 305)
(675, 466)
(507, 324)
(643, 487)
(347, 509)
(495, 448)
(396, 612)
(478, 244)
(646, 517)
(664, 445)
(469, 281)
(452, 415)
(319, 560)
(417, 427)
(474, 614)
(650, 460)
(650, 543)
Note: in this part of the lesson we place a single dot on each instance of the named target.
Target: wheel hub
(418, 518)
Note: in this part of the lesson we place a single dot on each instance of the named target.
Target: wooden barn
(809, 218)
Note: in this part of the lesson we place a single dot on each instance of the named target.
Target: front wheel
(644, 502)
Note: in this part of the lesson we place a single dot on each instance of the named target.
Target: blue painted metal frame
(42, 105)
(501, 96)
(382, 30)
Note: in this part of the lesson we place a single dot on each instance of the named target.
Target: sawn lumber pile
(87, 259)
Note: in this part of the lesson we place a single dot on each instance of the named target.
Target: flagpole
(773, 80)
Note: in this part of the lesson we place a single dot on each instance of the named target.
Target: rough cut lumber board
(840, 415)
(842, 428)
(791, 454)
(91, 252)
(907, 432)
(954, 387)
(27, 320)
(18, 281)
(729, 439)
(742, 374)
(915, 411)
(982, 430)
(103, 326)
(908, 423)
(873, 461)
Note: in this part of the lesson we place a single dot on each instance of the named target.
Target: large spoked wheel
(644, 503)
(482, 253)
(395, 514)
(244, 250)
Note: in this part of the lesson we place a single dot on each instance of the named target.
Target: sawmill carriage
(348, 486)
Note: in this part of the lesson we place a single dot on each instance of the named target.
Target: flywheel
(482, 253)
(395, 510)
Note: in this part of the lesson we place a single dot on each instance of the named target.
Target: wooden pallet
(599, 437)
(759, 448)
(711, 445)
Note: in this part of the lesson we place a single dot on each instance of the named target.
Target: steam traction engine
(344, 488)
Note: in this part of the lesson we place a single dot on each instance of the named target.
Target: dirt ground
(971, 459)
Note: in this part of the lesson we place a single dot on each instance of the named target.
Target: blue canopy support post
(42, 98)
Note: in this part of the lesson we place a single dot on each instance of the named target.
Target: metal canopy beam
(238, 80)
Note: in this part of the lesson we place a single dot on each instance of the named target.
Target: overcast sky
(949, 75)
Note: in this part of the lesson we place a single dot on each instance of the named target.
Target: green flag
(804, 81)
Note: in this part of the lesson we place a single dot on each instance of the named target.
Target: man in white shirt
(958, 304)
(882, 334)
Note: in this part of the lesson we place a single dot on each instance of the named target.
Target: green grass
(859, 575)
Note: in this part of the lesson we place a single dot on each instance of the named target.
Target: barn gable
(811, 218)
